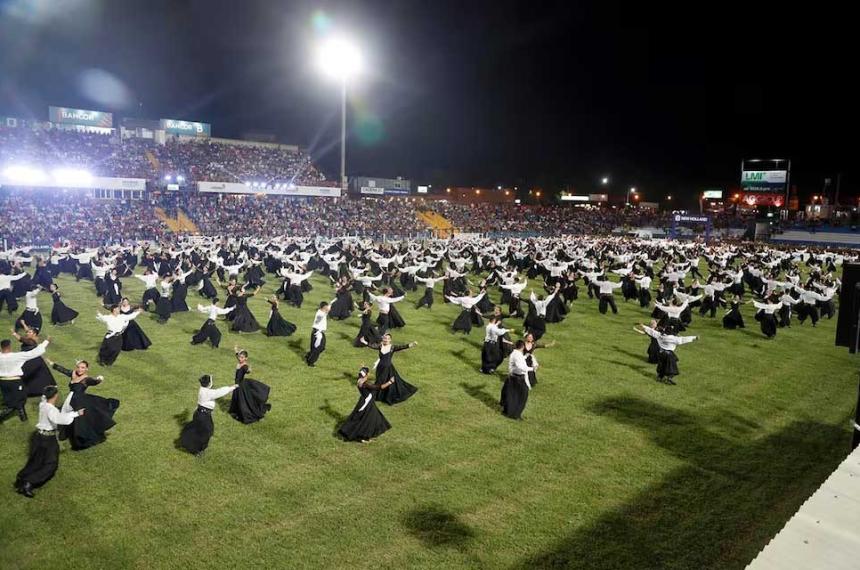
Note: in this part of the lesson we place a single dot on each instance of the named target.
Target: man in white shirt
(209, 331)
(6, 295)
(44, 448)
(11, 387)
(318, 334)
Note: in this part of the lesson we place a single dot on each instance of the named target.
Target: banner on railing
(277, 190)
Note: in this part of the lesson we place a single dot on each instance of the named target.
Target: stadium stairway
(442, 227)
(180, 224)
(153, 161)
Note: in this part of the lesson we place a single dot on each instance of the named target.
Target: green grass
(609, 469)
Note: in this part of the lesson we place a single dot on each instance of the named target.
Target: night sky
(666, 98)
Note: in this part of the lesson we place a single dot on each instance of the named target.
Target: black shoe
(27, 490)
(6, 413)
(22, 414)
(670, 381)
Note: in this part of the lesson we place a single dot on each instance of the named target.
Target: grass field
(609, 469)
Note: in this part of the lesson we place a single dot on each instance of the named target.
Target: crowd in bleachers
(204, 160)
(100, 154)
(250, 215)
(211, 161)
(42, 217)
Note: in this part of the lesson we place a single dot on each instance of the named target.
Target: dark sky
(667, 98)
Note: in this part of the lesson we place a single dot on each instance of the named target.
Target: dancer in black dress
(368, 333)
(180, 291)
(366, 421)
(44, 458)
(133, 337)
(243, 319)
(112, 289)
(278, 325)
(196, 434)
(733, 319)
(249, 403)
(342, 306)
(90, 430)
(463, 322)
(515, 390)
(765, 316)
(668, 341)
(401, 390)
(209, 331)
(60, 313)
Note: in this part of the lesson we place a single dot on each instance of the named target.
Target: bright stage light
(168, 178)
(72, 177)
(339, 59)
(23, 175)
(605, 180)
(180, 179)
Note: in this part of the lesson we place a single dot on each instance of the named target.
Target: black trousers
(14, 395)
(10, 300)
(607, 300)
(150, 295)
(427, 299)
(208, 332)
(317, 347)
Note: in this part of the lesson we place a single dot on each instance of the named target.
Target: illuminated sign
(69, 116)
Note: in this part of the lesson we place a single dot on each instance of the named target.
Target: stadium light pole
(340, 59)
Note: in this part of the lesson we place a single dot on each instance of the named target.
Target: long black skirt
(42, 462)
(733, 320)
(491, 357)
(32, 319)
(89, 430)
(342, 306)
(395, 321)
(133, 338)
(667, 364)
(163, 308)
(110, 349)
(515, 395)
(278, 325)
(768, 325)
(463, 322)
(61, 314)
(398, 392)
(196, 434)
(249, 403)
(365, 424)
(37, 376)
(243, 320)
(653, 351)
(535, 325)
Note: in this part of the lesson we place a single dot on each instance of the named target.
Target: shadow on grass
(295, 346)
(478, 392)
(716, 511)
(338, 417)
(646, 370)
(461, 356)
(437, 527)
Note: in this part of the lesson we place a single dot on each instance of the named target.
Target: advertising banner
(372, 191)
(574, 198)
(713, 195)
(764, 180)
(95, 182)
(69, 116)
(286, 190)
(598, 197)
(186, 128)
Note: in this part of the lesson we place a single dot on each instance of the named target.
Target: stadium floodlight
(72, 177)
(631, 191)
(604, 180)
(180, 179)
(23, 175)
(168, 178)
(340, 59)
